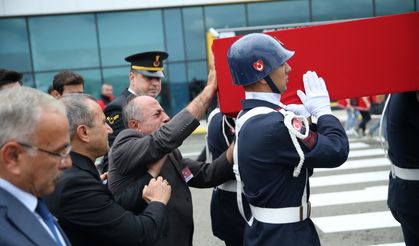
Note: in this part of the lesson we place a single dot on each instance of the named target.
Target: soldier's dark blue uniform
(226, 221)
(403, 151)
(275, 152)
(267, 158)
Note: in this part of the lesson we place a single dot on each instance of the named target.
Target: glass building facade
(95, 44)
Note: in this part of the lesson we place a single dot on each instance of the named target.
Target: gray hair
(78, 113)
(132, 111)
(20, 112)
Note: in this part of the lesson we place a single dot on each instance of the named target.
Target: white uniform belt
(230, 185)
(281, 215)
(405, 173)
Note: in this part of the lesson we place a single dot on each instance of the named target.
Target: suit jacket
(131, 153)
(266, 163)
(114, 118)
(19, 226)
(89, 215)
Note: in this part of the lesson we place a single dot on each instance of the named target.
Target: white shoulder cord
(288, 116)
(294, 134)
(225, 121)
(380, 131)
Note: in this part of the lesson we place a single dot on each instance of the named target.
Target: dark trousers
(366, 117)
(410, 226)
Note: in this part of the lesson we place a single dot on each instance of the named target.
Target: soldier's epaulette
(112, 119)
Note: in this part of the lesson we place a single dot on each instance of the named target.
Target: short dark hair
(66, 77)
(8, 76)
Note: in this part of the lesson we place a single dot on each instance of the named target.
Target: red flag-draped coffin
(356, 58)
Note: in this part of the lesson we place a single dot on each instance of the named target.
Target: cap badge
(258, 65)
(156, 62)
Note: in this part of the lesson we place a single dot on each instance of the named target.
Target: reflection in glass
(194, 33)
(14, 45)
(174, 34)
(92, 81)
(125, 33)
(178, 87)
(388, 7)
(118, 78)
(64, 42)
(280, 12)
(344, 9)
(225, 16)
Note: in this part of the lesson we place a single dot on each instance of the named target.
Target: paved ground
(349, 203)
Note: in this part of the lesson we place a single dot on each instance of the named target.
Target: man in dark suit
(403, 134)
(153, 140)
(84, 206)
(145, 79)
(35, 147)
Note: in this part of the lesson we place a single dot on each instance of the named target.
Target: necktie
(46, 216)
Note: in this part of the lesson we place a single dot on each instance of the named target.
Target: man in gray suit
(151, 142)
(35, 147)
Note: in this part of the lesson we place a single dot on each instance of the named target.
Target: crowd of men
(52, 193)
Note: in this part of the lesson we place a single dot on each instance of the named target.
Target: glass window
(179, 96)
(195, 41)
(92, 81)
(14, 45)
(118, 78)
(388, 7)
(343, 9)
(225, 16)
(125, 33)
(197, 71)
(278, 12)
(174, 34)
(27, 80)
(64, 42)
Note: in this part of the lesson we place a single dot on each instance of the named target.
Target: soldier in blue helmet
(402, 116)
(276, 149)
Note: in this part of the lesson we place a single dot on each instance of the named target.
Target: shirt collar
(130, 90)
(29, 200)
(274, 98)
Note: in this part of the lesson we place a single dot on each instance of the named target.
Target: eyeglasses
(63, 154)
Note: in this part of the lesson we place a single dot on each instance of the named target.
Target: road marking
(358, 145)
(366, 152)
(354, 222)
(190, 154)
(354, 164)
(369, 194)
(349, 178)
(389, 244)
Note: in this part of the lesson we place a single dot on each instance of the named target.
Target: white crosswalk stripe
(347, 211)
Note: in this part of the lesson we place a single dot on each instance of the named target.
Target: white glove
(298, 109)
(316, 99)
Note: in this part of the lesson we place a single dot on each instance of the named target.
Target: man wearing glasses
(34, 150)
(85, 208)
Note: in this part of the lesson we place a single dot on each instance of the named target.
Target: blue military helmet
(254, 56)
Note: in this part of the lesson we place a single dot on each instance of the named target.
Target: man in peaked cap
(145, 79)
(9, 78)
